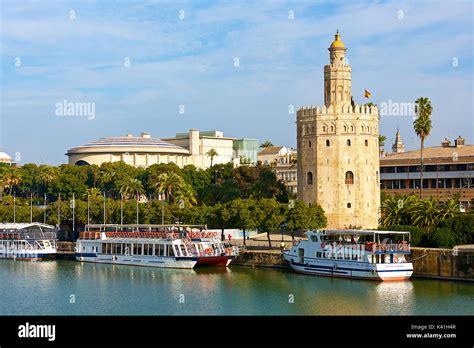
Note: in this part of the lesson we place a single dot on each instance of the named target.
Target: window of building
(332, 128)
(348, 142)
(349, 177)
(366, 142)
(344, 128)
(328, 143)
(349, 205)
(324, 129)
(309, 143)
(309, 178)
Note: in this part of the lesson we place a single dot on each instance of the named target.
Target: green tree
(167, 184)
(270, 216)
(422, 126)
(131, 188)
(243, 213)
(47, 175)
(303, 217)
(382, 139)
(211, 154)
(266, 144)
(220, 216)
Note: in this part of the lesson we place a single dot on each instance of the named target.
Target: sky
(236, 66)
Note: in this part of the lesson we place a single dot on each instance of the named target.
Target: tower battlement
(337, 109)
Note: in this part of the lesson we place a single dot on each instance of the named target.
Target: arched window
(368, 129)
(309, 143)
(309, 178)
(362, 129)
(328, 143)
(332, 128)
(348, 142)
(352, 128)
(345, 129)
(349, 178)
(324, 129)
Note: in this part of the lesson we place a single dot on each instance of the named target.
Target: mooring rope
(419, 257)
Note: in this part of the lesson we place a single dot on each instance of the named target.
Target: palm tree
(47, 175)
(186, 193)
(131, 188)
(426, 213)
(422, 126)
(382, 139)
(12, 178)
(265, 144)
(92, 193)
(167, 184)
(212, 153)
(449, 209)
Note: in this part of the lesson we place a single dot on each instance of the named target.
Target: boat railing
(28, 235)
(388, 248)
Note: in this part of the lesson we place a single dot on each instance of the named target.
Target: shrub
(442, 237)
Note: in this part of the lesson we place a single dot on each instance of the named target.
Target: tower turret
(398, 146)
(337, 75)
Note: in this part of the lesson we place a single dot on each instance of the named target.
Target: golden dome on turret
(337, 43)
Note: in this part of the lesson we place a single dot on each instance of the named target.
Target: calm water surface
(34, 288)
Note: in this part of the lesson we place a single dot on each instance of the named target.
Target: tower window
(328, 143)
(352, 128)
(324, 129)
(349, 178)
(348, 142)
(349, 205)
(366, 142)
(345, 129)
(309, 143)
(309, 178)
(332, 128)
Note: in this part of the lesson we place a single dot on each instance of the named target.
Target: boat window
(159, 250)
(183, 250)
(104, 248)
(169, 250)
(176, 249)
(318, 254)
(314, 238)
(146, 249)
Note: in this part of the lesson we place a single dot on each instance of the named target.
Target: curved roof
(143, 144)
(337, 43)
(4, 156)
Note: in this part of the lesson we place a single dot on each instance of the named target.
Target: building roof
(271, 150)
(337, 43)
(23, 225)
(434, 152)
(129, 143)
(5, 156)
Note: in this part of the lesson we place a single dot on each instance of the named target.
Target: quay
(443, 264)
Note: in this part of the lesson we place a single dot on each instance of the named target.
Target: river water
(71, 288)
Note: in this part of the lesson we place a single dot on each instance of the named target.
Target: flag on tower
(367, 94)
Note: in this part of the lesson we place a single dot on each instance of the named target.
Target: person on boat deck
(229, 237)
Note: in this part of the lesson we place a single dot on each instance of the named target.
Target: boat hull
(351, 270)
(158, 262)
(43, 256)
(214, 261)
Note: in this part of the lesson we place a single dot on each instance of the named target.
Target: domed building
(138, 151)
(6, 159)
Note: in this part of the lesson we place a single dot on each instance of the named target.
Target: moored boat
(361, 254)
(28, 241)
(166, 246)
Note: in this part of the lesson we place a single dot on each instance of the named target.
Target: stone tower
(338, 150)
(398, 146)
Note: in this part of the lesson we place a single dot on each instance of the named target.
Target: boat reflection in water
(395, 298)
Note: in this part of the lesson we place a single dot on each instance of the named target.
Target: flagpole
(45, 207)
(121, 208)
(14, 207)
(137, 209)
(59, 211)
(31, 207)
(104, 208)
(88, 210)
(73, 214)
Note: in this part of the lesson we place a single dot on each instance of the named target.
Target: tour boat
(27, 241)
(352, 254)
(165, 246)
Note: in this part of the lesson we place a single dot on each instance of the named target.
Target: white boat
(28, 241)
(165, 246)
(362, 254)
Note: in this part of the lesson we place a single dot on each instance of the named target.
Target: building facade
(283, 161)
(448, 171)
(338, 150)
(6, 159)
(141, 151)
